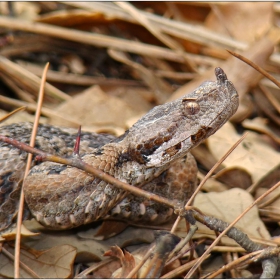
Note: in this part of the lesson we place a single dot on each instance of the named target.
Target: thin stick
(28, 165)
(140, 17)
(12, 113)
(217, 240)
(22, 265)
(233, 264)
(140, 264)
(256, 67)
(209, 174)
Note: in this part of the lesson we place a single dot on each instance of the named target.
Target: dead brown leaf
(96, 109)
(254, 155)
(230, 19)
(56, 262)
(126, 259)
(228, 205)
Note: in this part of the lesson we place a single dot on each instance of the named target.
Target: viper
(153, 155)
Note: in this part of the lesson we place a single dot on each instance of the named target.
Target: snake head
(169, 131)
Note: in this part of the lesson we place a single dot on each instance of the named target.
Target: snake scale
(153, 155)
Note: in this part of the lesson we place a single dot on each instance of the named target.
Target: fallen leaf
(126, 259)
(233, 177)
(230, 19)
(97, 108)
(56, 262)
(83, 239)
(109, 229)
(253, 155)
(228, 205)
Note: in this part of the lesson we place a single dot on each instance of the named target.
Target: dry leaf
(126, 259)
(253, 155)
(109, 229)
(83, 239)
(260, 125)
(56, 262)
(230, 19)
(94, 107)
(10, 233)
(234, 177)
(228, 205)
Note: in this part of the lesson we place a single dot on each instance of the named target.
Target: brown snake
(153, 154)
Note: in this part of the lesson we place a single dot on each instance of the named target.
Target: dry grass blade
(141, 18)
(92, 39)
(256, 67)
(46, 111)
(271, 98)
(22, 265)
(141, 263)
(28, 165)
(175, 28)
(31, 80)
(12, 113)
(92, 268)
(217, 240)
(234, 264)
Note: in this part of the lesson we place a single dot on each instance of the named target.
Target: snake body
(153, 154)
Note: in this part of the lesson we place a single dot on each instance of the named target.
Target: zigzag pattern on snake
(153, 154)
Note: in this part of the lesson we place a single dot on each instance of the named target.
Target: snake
(154, 155)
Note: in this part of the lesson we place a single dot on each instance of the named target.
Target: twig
(12, 113)
(233, 264)
(228, 228)
(140, 264)
(92, 39)
(256, 67)
(22, 265)
(140, 17)
(28, 165)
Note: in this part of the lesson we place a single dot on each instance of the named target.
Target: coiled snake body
(152, 154)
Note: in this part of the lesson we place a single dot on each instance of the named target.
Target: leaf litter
(109, 64)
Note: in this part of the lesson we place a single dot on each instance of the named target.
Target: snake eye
(191, 107)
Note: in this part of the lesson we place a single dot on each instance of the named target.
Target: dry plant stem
(142, 19)
(84, 80)
(271, 98)
(229, 227)
(92, 268)
(179, 270)
(181, 245)
(91, 39)
(192, 32)
(12, 113)
(28, 165)
(269, 201)
(140, 264)
(225, 249)
(17, 72)
(233, 264)
(234, 233)
(165, 243)
(256, 67)
(175, 224)
(22, 265)
(32, 107)
(269, 268)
